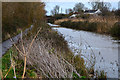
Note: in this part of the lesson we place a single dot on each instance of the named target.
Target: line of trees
(17, 15)
(100, 5)
(103, 6)
(80, 7)
(56, 10)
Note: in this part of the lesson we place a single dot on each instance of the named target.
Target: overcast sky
(65, 4)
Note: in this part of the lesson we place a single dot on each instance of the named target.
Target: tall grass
(48, 54)
(80, 25)
(51, 58)
(115, 30)
(98, 27)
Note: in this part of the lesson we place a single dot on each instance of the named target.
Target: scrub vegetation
(98, 27)
(42, 53)
(17, 16)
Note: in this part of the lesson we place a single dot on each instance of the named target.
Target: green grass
(6, 63)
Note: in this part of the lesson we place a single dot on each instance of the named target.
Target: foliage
(60, 16)
(86, 16)
(101, 75)
(93, 27)
(100, 5)
(115, 30)
(117, 12)
(19, 15)
(6, 63)
(103, 6)
(79, 64)
(80, 25)
(51, 19)
(56, 10)
(78, 7)
(49, 53)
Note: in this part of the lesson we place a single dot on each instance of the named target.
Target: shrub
(66, 23)
(85, 16)
(115, 30)
(92, 27)
(117, 12)
(17, 15)
(81, 25)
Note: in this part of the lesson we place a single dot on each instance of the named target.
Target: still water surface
(93, 47)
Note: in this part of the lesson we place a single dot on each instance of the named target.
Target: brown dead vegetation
(109, 20)
(46, 60)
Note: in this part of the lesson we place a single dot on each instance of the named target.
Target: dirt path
(6, 45)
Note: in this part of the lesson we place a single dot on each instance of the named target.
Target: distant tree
(117, 12)
(66, 11)
(70, 11)
(119, 5)
(78, 7)
(94, 4)
(61, 10)
(103, 6)
(100, 5)
(55, 10)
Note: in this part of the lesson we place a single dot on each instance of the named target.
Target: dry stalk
(33, 40)
(24, 56)
(13, 65)
(50, 64)
(24, 53)
(1, 74)
(24, 67)
(8, 71)
(93, 54)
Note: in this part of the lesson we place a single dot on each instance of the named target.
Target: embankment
(49, 57)
(103, 27)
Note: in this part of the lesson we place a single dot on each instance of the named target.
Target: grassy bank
(98, 27)
(48, 56)
(12, 58)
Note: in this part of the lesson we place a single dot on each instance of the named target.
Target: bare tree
(66, 11)
(61, 10)
(55, 10)
(78, 7)
(119, 5)
(97, 4)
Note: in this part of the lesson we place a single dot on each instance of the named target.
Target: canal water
(98, 50)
